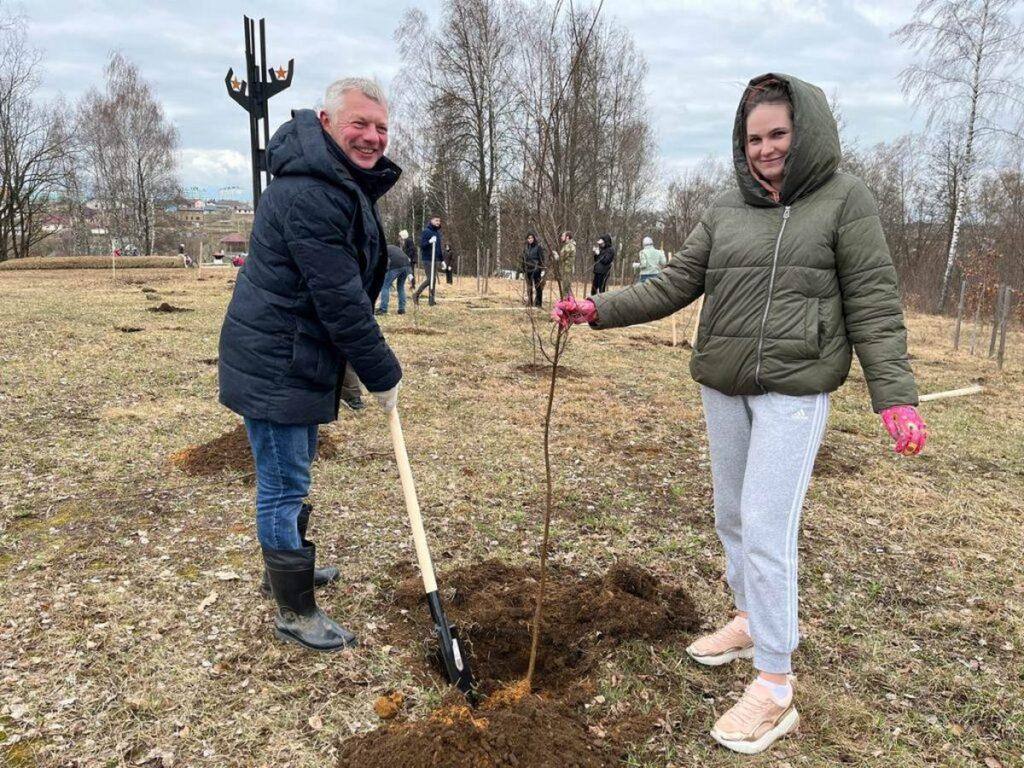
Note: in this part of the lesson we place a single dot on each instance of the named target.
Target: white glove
(444, 267)
(636, 265)
(388, 400)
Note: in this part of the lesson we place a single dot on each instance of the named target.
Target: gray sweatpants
(762, 453)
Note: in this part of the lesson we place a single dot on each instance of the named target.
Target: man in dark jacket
(302, 310)
(431, 257)
(398, 273)
(604, 257)
(533, 267)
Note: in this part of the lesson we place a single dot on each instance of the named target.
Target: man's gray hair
(336, 92)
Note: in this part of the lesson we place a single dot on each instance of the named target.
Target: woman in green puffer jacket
(796, 275)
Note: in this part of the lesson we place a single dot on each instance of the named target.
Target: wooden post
(1003, 323)
(696, 321)
(199, 263)
(977, 320)
(478, 270)
(995, 322)
(674, 323)
(959, 314)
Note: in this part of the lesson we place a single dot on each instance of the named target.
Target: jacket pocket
(812, 327)
(309, 361)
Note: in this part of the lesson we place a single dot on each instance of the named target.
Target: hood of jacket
(814, 153)
(607, 241)
(301, 147)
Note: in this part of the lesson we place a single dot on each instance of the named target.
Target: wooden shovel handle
(412, 504)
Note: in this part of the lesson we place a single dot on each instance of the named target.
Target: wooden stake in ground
(995, 321)
(959, 314)
(674, 323)
(696, 321)
(1003, 323)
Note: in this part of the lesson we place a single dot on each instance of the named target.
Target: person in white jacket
(651, 260)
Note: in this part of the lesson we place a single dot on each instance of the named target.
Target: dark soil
(209, 361)
(834, 461)
(231, 451)
(127, 328)
(492, 603)
(544, 371)
(165, 307)
(657, 341)
(149, 290)
(531, 732)
(412, 330)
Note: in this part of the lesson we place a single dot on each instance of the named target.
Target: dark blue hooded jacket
(425, 249)
(303, 303)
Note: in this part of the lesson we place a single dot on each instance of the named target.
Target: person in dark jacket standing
(301, 311)
(797, 276)
(533, 270)
(604, 258)
(432, 258)
(409, 247)
(398, 273)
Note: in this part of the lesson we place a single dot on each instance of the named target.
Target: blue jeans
(401, 274)
(645, 278)
(283, 455)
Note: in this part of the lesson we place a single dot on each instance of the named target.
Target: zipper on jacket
(768, 303)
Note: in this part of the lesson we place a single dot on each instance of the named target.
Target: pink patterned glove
(905, 427)
(569, 311)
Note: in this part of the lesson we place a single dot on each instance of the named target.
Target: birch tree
(971, 53)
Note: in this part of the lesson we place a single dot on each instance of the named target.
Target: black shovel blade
(453, 658)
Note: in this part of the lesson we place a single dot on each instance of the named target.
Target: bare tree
(129, 148)
(34, 162)
(972, 51)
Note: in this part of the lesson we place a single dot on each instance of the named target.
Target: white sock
(781, 693)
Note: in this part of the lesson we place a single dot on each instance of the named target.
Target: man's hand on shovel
(388, 400)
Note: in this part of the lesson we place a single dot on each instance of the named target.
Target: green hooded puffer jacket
(789, 286)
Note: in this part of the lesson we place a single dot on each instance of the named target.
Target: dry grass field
(132, 633)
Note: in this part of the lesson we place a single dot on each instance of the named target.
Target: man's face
(436, 222)
(360, 128)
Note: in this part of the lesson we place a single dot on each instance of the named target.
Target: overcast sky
(700, 54)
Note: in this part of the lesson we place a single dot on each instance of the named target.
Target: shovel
(452, 661)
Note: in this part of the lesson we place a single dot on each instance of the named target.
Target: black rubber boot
(298, 619)
(321, 576)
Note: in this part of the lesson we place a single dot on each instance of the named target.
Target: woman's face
(769, 133)
(529, 239)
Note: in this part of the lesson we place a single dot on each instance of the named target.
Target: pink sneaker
(727, 644)
(755, 721)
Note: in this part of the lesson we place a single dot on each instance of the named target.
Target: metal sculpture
(253, 93)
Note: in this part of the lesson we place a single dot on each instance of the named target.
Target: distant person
(533, 270)
(566, 259)
(432, 259)
(798, 276)
(398, 273)
(449, 264)
(409, 247)
(301, 314)
(604, 259)
(651, 260)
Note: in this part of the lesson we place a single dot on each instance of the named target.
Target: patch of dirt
(492, 603)
(544, 371)
(231, 451)
(411, 330)
(209, 361)
(127, 328)
(657, 341)
(147, 289)
(530, 732)
(833, 461)
(165, 307)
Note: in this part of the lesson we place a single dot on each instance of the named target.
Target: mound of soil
(544, 371)
(209, 361)
(531, 732)
(165, 307)
(834, 461)
(492, 603)
(127, 328)
(656, 341)
(231, 451)
(411, 330)
(149, 290)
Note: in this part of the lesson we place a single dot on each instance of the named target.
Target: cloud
(214, 168)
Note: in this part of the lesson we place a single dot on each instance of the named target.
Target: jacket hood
(814, 153)
(301, 147)
(536, 239)
(607, 240)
